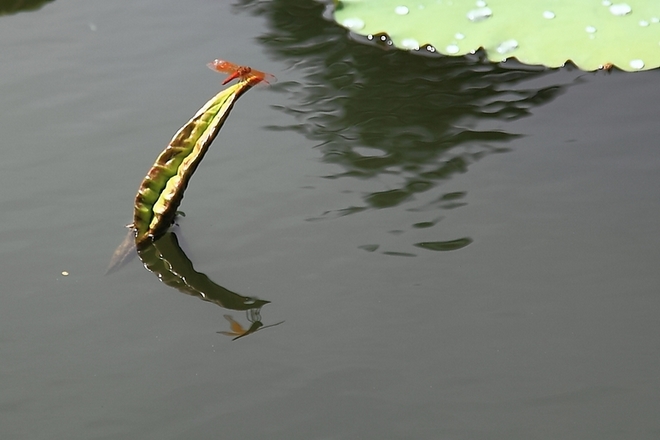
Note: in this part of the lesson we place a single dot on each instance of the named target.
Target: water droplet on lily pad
(354, 24)
(620, 9)
(401, 10)
(599, 31)
(507, 46)
(410, 43)
(637, 64)
(381, 38)
(429, 48)
(479, 14)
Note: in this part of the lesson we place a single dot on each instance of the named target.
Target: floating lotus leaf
(162, 189)
(591, 33)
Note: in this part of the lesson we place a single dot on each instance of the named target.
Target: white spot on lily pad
(655, 20)
(620, 9)
(354, 24)
(590, 29)
(607, 2)
(459, 36)
(401, 10)
(481, 4)
(452, 49)
(479, 14)
(643, 23)
(410, 43)
(549, 15)
(637, 64)
(507, 46)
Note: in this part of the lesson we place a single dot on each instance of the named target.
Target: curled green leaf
(162, 189)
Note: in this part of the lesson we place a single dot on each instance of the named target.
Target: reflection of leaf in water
(385, 199)
(445, 201)
(450, 245)
(416, 120)
(340, 212)
(14, 6)
(166, 259)
(424, 225)
(399, 254)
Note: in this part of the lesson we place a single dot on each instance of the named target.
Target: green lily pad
(591, 33)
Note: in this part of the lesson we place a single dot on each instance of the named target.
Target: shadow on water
(407, 121)
(166, 259)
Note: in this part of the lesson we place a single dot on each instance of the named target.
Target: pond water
(450, 249)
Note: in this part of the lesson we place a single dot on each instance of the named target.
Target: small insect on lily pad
(593, 34)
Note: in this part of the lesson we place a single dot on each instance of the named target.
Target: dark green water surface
(457, 250)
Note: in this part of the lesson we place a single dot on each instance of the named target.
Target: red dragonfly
(242, 72)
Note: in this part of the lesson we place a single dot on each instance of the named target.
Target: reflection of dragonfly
(242, 72)
(238, 331)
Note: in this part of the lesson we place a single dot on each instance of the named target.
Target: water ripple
(424, 119)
